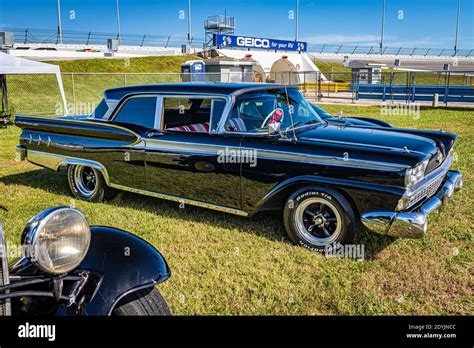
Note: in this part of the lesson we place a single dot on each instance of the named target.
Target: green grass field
(223, 264)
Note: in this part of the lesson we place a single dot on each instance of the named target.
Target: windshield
(252, 111)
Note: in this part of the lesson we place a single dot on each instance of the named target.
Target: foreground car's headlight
(57, 240)
(416, 174)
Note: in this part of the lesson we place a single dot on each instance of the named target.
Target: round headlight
(57, 240)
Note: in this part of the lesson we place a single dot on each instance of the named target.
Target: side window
(138, 111)
(186, 114)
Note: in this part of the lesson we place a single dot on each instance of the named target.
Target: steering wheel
(276, 115)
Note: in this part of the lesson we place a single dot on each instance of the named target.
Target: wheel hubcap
(318, 221)
(85, 179)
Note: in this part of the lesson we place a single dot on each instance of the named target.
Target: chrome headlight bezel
(415, 174)
(40, 248)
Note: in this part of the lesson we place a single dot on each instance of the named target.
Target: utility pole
(297, 19)
(189, 23)
(118, 22)
(60, 34)
(457, 28)
(383, 26)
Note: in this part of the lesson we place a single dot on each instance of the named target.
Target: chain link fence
(39, 94)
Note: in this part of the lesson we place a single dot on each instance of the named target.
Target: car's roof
(194, 87)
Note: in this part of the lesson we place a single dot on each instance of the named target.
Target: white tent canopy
(13, 65)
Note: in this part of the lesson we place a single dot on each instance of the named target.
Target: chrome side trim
(180, 200)
(166, 145)
(5, 270)
(412, 224)
(54, 161)
(96, 122)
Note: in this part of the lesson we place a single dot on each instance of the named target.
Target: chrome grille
(426, 191)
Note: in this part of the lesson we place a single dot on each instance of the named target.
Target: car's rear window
(100, 110)
(138, 111)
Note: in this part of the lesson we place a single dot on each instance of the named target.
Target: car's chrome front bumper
(412, 224)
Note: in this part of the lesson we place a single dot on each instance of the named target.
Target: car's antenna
(290, 110)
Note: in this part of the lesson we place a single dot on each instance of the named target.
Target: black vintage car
(69, 268)
(247, 148)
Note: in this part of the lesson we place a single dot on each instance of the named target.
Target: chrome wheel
(86, 180)
(318, 221)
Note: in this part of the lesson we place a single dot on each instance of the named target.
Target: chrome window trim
(212, 97)
(158, 111)
(125, 101)
(234, 95)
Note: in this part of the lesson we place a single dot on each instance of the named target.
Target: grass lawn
(223, 264)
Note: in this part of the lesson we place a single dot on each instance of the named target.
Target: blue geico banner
(224, 41)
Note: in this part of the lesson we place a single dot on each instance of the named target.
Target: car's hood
(385, 145)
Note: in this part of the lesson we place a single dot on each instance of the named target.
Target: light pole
(457, 28)
(297, 19)
(118, 22)
(189, 23)
(60, 34)
(383, 26)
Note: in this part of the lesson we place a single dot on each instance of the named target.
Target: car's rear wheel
(141, 303)
(317, 218)
(88, 184)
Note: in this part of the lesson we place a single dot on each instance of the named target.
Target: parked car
(246, 148)
(70, 268)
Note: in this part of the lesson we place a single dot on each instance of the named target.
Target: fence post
(320, 94)
(73, 94)
(88, 38)
(26, 35)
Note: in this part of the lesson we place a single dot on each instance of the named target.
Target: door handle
(153, 133)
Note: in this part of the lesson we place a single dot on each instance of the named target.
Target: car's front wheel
(317, 218)
(88, 184)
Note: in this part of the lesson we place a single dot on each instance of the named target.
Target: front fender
(126, 263)
(363, 195)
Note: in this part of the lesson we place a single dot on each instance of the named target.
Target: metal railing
(387, 50)
(49, 36)
(28, 95)
(46, 36)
